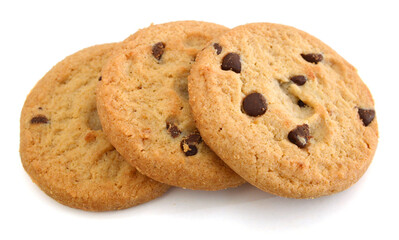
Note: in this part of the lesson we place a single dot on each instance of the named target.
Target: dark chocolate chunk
(300, 135)
(39, 119)
(366, 115)
(313, 57)
(299, 79)
(218, 48)
(254, 104)
(194, 138)
(189, 144)
(189, 150)
(100, 78)
(157, 50)
(173, 129)
(301, 103)
(232, 62)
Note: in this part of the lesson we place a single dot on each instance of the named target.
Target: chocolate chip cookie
(283, 110)
(63, 147)
(143, 106)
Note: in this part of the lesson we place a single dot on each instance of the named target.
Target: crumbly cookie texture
(283, 110)
(63, 147)
(143, 106)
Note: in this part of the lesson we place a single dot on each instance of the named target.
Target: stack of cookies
(199, 106)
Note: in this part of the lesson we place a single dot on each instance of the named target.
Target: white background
(35, 35)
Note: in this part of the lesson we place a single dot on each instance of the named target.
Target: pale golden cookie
(143, 106)
(283, 110)
(63, 147)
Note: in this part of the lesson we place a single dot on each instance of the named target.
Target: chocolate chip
(194, 138)
(301, 104)
(218, 48)
(299, 136)
(100, 78)
(189, 144)
(173, 129)
(232, 62)
(299, 79)
(157, 50)
(39, 119)
(313, 57)
(40, 108)
(189, 150)
(367, 115)
(254, 104)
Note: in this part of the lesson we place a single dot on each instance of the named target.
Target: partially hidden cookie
(63, 147)
(283, 110)
(143, 106)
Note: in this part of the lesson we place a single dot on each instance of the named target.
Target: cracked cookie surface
(143, 106)
(283, 110)
(63, 147)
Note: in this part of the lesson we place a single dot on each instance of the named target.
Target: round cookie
(143, 106)
(63, 147)
(283, 110)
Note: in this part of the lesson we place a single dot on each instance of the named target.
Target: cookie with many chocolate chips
(63, 147)
(143, 106)
(283, 110)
